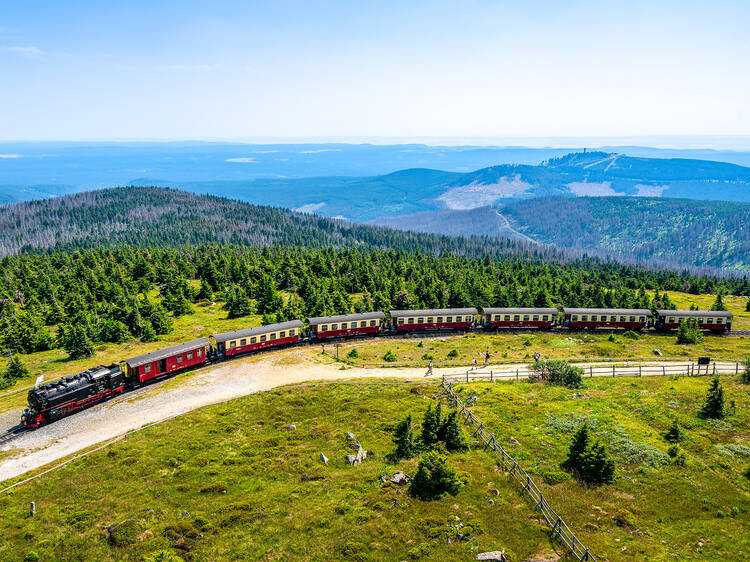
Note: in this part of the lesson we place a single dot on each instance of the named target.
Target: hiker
(474, 362)
(536, 357)
(429, 369)
(486, 357)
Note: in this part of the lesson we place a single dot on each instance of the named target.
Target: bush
(677, 456)
(31, 556)
(452, 354)
(554, 371)
(426, 357)
(713, 407)
(124, 533)
(631, 335)
(688, 332)
(434, 478)
(389, 356)
(353, 354)
(403, 437)
(612, 338)
(746, 372)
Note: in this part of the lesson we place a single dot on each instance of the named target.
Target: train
(52, 401)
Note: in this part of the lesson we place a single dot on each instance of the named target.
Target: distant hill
(154, 217)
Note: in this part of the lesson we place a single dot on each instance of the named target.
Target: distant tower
(584, 150)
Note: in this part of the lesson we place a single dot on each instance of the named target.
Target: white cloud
(320, 150)
(310, 207)
(25, 51)
(241, 160)
(10, 156)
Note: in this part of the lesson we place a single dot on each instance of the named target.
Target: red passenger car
(712, 320)
(262, 337)
(626, 318)
(169, 360)
(519, 317)
(346, 325)
(434, 319)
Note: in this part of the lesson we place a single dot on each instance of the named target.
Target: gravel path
(175, 397)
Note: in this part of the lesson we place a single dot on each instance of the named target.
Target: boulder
(513, 441)
(400, 478)
(495, 492)
(657, 352)
(324, 459)
(494, 555)
(290, 427)
(351, 459)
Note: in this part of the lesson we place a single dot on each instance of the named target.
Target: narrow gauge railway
(52, 401)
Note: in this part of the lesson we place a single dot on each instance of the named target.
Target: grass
(281, 503)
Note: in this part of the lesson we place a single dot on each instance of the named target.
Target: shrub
(452, 354)
(162, 556)
(674, 433)
(631, 335)
(554, 371)
(31, 556)
(612, 338)
(746, 372)
(125, 533)
(353, 354)
(420, 344)
(747, 473)
(434, 478)
(677, 456)
(389, 356)
(713, 407)
(426, 357)
(451, 434)
(688, 332)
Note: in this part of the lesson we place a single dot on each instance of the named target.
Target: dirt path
(181, 395)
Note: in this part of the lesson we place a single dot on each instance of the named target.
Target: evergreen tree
(404, 439)
(718, 303)
(597, 467)
(578, 449)
(430, 428)
(689, 332)
(434, 478)
(713, 407)
(674, 433)
(746, 372)
(239, 305)
(16, 369)
(747, 306)
(76, 342)
(452, 435)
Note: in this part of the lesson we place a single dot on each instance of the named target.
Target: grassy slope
(282, 504)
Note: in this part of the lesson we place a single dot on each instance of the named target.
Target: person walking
(486, 357)
(429, 369)
(474, 363)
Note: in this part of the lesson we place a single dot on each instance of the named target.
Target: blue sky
(249, 70)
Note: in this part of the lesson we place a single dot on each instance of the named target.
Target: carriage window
(273, 337)
(291, 332)
(632, 318)
(593, 318)
(232, 343)
(373, 323)
(179, 358)
(439, 319)
(199, 352)
(641, 318)
(719, 321)
(401, 320)
(334, 326)
(516, 318)
(536, 317)
(430, 320)
(709, 321)
(469, 318)
(282, 334)
(353, 324)
(262, 338)
(507, 318)
(343, 325)
(584, 318)
(449, 318)
(671, 320)
(190, 356)
(420, 320)
(497, 317)
(622, 319)
(544, 317)
(525, 316)
(574, 317)
(147, 369)
(242, 342)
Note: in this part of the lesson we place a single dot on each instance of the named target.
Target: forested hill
(661, 231)
(160, 217)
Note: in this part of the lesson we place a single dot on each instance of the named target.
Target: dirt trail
(178, 396)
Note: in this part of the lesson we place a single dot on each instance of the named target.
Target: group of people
(474, 363)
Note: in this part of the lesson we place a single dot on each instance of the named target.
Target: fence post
(516, 374)
(640, 374)
(613, 371)
(467, 376)
(491, 379)
(737, 368)
(664, 370)
(591, 371)
(714, 367)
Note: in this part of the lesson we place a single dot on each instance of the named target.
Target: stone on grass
(657, 352)
(290, 427)
(400, 478)
(324, 459)
(494, 555)
(513, 441)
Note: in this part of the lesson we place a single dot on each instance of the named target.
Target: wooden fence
(559, 528)
(681, 369)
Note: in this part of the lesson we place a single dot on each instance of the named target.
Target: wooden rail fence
(684, 369)
(558, 527)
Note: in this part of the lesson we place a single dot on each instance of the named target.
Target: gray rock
(513, 441)
(290, 427)
(494, 555)
(324, 459)
(351, 459)
(400, 478)
(657, 352)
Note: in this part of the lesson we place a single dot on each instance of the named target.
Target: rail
(553, 520)
(686, 369)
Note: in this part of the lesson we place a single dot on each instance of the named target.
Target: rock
(351, 459)
(400, 478)
(657, 352)
(324, 459)
(494, 555)
(145, 535)
(495, 492)
(290, 427)
(513, 441)
(578, 396)
(491, 502)
(352, 440)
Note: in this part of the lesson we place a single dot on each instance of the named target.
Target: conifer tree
(404, 439)
(430, 428)
(718, 303)
(76, 342)
(674, 433)
(452, 435)
(713, 407)
(578, 448)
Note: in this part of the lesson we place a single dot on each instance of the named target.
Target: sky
(217, 70)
